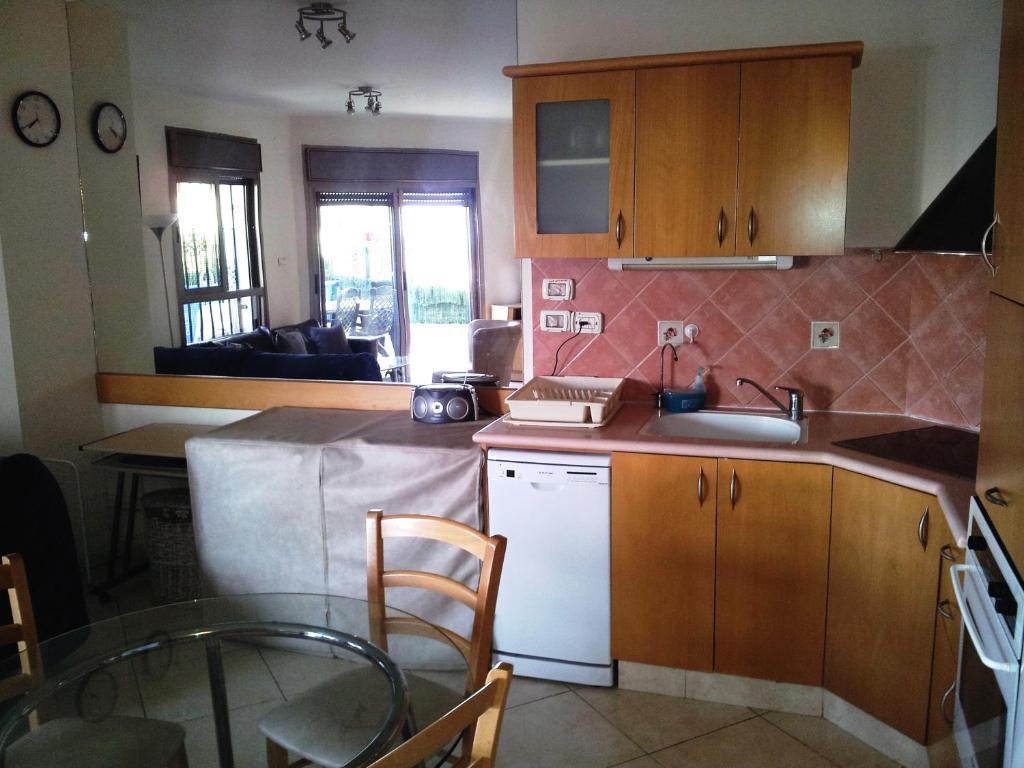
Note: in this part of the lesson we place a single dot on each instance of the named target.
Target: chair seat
(330, 723)
(116, 742)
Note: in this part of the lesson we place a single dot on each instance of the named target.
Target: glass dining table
(219, 665)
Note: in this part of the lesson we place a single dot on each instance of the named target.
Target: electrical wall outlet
(825, 334)
(670, 332)
(554, 321)
(593, 322)
(557, 289)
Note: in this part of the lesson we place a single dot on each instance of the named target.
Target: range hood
(957, 219)
(648, 263)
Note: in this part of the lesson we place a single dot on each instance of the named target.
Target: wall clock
(109, 128)
(36, 119)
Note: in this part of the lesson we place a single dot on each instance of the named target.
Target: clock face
(36, 119)
(109, 127)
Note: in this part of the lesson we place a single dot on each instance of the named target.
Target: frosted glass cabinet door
(573, 137)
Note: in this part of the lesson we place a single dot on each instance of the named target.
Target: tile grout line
(779, 728)
(273, 677)
(613, 725)
(753, 715)
(540, 698)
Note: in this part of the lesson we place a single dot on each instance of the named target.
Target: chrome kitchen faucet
(796, 398)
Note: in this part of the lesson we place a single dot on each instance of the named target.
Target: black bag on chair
(34, 522)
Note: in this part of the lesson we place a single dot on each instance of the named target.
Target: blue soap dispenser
(689, 399)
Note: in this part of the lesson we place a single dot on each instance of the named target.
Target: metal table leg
(115, 527)
(129, 533)
(219, 696)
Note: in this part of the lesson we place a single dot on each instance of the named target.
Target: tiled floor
(546, 724)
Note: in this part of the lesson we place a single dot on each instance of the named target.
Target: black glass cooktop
(941, 449)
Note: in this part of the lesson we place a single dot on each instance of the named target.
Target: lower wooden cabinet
(772, 569)
(663, 559)
(883, 582)
(947, 648)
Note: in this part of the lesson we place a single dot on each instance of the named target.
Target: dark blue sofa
(256, 355)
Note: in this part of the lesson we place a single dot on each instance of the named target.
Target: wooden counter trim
(259, 394)
(853, 49)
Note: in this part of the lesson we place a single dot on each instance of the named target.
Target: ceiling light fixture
(367, 92)
(321, 13)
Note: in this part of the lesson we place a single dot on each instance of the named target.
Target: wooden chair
(115, 742)
(481, 713)
(282, 724)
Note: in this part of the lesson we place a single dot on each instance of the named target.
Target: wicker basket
(171, 545)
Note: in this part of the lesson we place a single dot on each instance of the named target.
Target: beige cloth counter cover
(279, 502)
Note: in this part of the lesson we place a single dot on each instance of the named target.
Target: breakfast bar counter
(624, 433)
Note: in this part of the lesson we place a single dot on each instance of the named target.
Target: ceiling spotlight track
(367, 92)
(321, 13)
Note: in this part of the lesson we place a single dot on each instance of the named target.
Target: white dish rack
(567, 401)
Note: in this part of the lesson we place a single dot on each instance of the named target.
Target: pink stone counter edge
(823, 429)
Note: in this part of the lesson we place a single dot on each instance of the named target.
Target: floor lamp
(157, 223)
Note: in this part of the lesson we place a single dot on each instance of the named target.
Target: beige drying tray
(566, 401)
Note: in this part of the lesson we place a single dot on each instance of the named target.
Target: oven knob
(1006, 607)
(998, 590)
(977, 543)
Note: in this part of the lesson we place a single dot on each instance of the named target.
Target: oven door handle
(972, 629)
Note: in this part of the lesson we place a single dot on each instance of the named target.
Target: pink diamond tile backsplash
(911, 333)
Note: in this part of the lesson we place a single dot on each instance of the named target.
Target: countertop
(823, 429)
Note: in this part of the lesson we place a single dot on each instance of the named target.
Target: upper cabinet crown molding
(722, 153)
(853, 49)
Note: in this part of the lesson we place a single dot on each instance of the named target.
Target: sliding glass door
(397, 264)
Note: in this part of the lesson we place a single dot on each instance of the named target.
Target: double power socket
(563, 321)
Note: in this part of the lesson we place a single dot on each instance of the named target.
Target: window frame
(257, 266)
(395, 189)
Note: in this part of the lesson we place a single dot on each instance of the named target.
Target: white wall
(156, 109)
(48, 302)
(491, 138)
(117, 267)
(10, 415)
(923, 99)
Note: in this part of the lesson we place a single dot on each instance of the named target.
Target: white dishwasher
(553, 617)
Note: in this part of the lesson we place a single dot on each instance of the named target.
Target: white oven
(989, 719)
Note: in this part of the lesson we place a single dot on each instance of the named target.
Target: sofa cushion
(260, 340)
(277, 365)
(329, 341)
(290, 343)
(201, 361)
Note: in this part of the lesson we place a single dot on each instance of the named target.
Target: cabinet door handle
(732, 488)
(619, 226)
(751, 226)
(944, 611)
(721, 227)
(984, 239)
(922, 529)
(995, 496)
(946, 553)
(942, 704)
(700, 485)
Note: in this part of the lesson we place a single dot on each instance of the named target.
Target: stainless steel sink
(720, 425)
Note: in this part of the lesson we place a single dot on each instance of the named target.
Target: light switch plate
(825, 334)
(554, 321)
(561, 289)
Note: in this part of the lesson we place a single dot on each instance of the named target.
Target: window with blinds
(218, 264)
(398, 252)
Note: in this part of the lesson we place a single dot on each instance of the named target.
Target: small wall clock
(36, 119)
(109, 127)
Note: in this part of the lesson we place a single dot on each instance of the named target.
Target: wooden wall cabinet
(572, 139)
(772, 569)
(663, 559)
(1008, 240)
(743, 159)
(1000, 480)
(735, 153)
(883, 582)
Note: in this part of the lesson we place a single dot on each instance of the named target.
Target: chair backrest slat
(22, 629)
(484, 709)
(490, 550)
